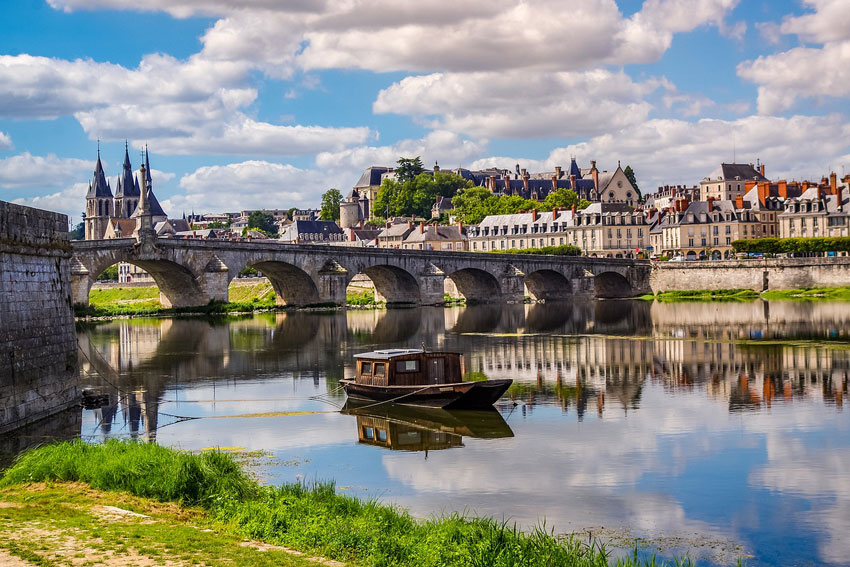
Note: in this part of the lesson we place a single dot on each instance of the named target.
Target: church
(109, 216)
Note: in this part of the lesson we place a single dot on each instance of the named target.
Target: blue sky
(259, 103)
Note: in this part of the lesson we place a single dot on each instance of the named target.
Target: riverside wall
(38, 341)
(757, 275)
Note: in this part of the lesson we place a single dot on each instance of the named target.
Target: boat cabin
(408, 367)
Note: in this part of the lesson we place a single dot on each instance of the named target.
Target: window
(368, 433)
(382, 435)
(365, 368)
(407, 366)
(380, 369)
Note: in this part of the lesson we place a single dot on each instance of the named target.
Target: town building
(394, 233)
(437, 237)
(313, 232)
(613, 230)
(663, 198)
(704, 229)
(820, 211)
(730, 180)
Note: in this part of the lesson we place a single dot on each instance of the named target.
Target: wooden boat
(413, 376)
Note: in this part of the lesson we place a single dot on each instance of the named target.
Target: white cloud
(664, 151)
(191, 106)
(28, 171)
(70, 201)
(439, 145)
(804, 72)
(251, 184)
(521, 104)
(5, 141)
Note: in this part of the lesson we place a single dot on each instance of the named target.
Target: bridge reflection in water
(591, 356)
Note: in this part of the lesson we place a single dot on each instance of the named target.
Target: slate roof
(299, 227)
(99, 186)
(126, 185)
(436, 232)
(729, 171)
(372, 176)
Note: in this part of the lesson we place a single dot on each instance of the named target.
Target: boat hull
(459, 395)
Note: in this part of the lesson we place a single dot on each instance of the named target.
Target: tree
(264, 221)
(79, 232)
(408, 168)
(416, 196)
(291, 213)
(330, 205)
(564, 199)
(630, 175)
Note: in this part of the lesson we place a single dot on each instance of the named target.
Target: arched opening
(691, 255)
(727, 254)
(391, 284)
(702, 255)
(291, 284)
(716, 255)
(474, 285)
(173, 285)
(548, 285)
(611, 285)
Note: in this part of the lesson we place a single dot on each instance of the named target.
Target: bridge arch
(476, 285)
(178, 286)
(393, 284)
(548, 285)
(291, 284)
(609, 285)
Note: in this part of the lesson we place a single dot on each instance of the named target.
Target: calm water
(718, 428)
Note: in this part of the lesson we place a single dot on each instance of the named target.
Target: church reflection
(583, 357)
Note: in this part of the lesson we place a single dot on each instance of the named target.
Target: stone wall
(38, 341)
(758, 275)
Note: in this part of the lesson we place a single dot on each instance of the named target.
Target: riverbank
(799, 294)
(181, 495)
(253, 295)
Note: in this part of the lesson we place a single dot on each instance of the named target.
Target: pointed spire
(99, 186)
(147, 164)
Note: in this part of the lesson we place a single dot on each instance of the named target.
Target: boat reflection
(413, 428)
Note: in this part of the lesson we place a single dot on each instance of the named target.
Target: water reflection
(412, 428)
(725, 420)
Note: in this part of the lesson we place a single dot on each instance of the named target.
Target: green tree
(291, 213)
(264, 221)
(630, 175)
(330, 205)
(416, 196)
(79, 232)
(564, 199)
(109, 274)
(408, 168)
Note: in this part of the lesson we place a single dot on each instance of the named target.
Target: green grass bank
(703, 295)
(310, 519)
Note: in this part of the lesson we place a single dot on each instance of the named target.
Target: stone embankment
(38, 341)
(757, 275)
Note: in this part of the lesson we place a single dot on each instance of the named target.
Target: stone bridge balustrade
(193, 272)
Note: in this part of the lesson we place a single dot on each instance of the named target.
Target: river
(716, 429)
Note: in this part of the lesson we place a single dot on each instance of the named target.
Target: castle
(109, 216)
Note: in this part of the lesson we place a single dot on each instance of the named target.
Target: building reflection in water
(585, 357)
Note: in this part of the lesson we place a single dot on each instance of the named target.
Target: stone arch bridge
(194, 272)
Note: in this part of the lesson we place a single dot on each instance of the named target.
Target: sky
(267, 103)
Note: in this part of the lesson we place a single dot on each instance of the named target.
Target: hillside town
(608, 216)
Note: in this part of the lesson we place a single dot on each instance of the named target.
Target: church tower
(127, 193)
(99, 203)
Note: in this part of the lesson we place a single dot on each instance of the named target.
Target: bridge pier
(432, 282)
(512, 284)
(331, 283)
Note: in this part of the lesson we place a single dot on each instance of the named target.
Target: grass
(309, 518)
(810, 294)
(704, 295)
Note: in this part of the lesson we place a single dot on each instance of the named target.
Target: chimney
(761, 169)
(554, 183)
(533, 215)
(421, 228)
(573, 182)
(833, 183)
(389, 224)
(460, 226)
(739, 201)
(558, 171)
(525, 182)
(410, 224)
(492, 185)
(524, 172)
(574, 210)
(351, 236)
(711, 204)
(595, 174)
(782, 187)
(592, 164)
(763, 191)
